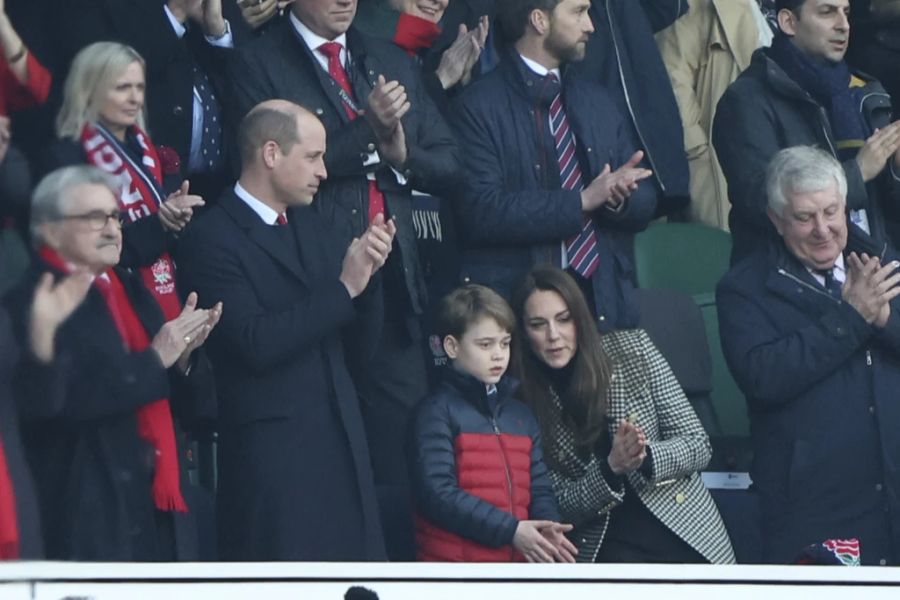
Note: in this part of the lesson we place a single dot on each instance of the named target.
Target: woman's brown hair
(590, 373)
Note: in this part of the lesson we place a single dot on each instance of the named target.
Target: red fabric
(482, 463)
(9, 529)
(415, 32)
(15, 96)
(332, 50)
(154, 419)
(281, 219)
(138, 200)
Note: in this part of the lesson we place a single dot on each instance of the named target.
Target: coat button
(878, 487)
(839, 330)
(680, 498)
(632, 417)
(177, 111)
(353, 211)
(871, 410)
(320, 112)
(601, 318)
(882, 562)
(589, 149)
(370, 148)
(467, 280)
(584, 540)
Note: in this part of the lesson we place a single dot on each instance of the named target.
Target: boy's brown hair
(465, 305)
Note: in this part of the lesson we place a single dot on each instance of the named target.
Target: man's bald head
(278, 121)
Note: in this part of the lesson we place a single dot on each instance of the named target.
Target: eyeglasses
(97, 220)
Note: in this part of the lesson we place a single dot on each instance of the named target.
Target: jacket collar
(475, 391)
(265, 235)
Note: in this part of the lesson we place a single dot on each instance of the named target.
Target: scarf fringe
(166, 501)
(427, 224)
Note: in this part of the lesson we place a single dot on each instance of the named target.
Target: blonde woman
(102, 123)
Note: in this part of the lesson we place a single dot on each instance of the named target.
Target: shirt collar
(264, 212)
(539, 68)
(313, 40)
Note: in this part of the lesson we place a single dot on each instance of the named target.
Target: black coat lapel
(262, 234)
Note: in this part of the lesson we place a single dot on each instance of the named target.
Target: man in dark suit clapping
(295, 481)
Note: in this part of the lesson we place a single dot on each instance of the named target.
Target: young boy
(475, 457)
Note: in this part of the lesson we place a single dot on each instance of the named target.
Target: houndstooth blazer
(644, 391)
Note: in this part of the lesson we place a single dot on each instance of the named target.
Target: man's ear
(451, 346)
(270, 152)
(787, 21)
(539, 21)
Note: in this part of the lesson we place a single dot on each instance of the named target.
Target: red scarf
(9, 529)
(154, 419)
(140, 197)
(415, 32)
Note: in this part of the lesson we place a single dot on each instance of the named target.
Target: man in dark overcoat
(811, 333)
(295, 479)
(385, 138)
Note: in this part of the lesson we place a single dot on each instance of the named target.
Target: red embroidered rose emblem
(169, 161)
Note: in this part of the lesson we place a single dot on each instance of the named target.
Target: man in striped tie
(552, 175)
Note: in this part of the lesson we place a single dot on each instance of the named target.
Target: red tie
(281, 219)
(332, 51)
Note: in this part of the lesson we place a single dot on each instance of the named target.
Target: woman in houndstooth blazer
(622, 442)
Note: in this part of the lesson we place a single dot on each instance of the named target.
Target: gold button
(371, 148)
(601, 318)
(679, 498)
(632, 417)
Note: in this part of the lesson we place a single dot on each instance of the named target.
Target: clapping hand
(367, 254)
(870, 287)
(178, 209)
(458, 60)
(185, 333)
(258, 12)
(387, 104)
(614, 187)
(629, 448)
(51, 306)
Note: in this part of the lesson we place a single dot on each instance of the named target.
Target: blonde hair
(94, 72)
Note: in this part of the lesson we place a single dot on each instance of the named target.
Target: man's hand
(387, 103)
(629, 448)
(614, 187)
(173, 339)
(870, 287)
(394, 149)
(206, 13)
(457, 60)
(257, 12)
(555, 534)
(178, 209)
(199, 337)
(880, 146)
(366, 255)
(51, 306)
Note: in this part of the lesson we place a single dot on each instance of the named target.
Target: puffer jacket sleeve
(436, 486)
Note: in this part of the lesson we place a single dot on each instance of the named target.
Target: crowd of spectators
(347, 280)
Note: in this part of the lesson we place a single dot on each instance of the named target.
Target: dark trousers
(389, 385)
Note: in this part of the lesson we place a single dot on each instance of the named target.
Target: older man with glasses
(102, 444)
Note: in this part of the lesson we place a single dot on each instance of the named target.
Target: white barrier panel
(329, 581)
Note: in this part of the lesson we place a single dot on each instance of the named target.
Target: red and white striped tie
(582, 250)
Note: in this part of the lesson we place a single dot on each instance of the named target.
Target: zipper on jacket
(868, 358)
(823, 121)
(656, 173)
(509, 484)
(808, 286)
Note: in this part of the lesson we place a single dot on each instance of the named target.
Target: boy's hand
(555, 534)
(529, 540)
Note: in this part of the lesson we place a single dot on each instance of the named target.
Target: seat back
(674, 323)
(681, 256)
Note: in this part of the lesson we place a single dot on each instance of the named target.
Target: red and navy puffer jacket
(477, 469)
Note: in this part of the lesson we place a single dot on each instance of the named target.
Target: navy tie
(831, 284)
(211, 135)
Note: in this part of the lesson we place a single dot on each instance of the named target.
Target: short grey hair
(801, 169)
(51, 194)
